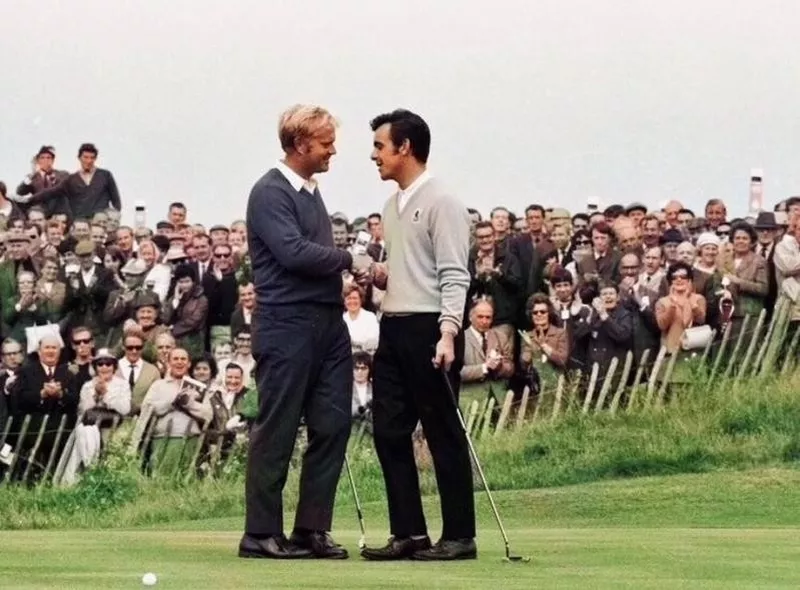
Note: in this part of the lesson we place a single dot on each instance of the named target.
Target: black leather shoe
(319, 543)
(396, 548)
(275, 547)
(449, 551)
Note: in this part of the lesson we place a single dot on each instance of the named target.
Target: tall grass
(732, 425)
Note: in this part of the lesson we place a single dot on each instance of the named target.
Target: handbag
(34, 335)
(696, 337)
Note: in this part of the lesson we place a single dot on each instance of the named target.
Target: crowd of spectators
(105, 320)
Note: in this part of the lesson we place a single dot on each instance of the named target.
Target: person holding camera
(187, 311)
(179, 413)
(88, 288)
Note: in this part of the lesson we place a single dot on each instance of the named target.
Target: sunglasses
(228, 255)
(82, 341)
(582, 242)
(361, 368)
(540, 312)
(105, 363)
(134, 347)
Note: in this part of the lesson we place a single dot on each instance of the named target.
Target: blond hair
(302, 121)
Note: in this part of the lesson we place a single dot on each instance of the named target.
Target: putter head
(516, 559)
(362, 543)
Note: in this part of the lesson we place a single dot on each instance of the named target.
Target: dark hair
(161, 242)
(560, 275)
(205, 237)
(375, 215)
(583, 216)
(675, 267)
(36, 208)
(116, 254)
(499, 208)
(608, 285)
(539, 299)
(689, 211)
(176, 205)
(3, 189)
(535, 207)
(405, 125)
(88, 148)
(602, 228)
(234, 366)
(747, 228)
(614, 211)
(483, 224)
(472, 211)
(363, 358)
(208, 359)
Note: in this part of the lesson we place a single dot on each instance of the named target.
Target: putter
(362, 542)
(509, 556)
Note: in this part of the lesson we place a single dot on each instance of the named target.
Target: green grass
(714, 530)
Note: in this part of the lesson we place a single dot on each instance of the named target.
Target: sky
(529, 101)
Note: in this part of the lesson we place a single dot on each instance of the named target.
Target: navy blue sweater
(291, 245)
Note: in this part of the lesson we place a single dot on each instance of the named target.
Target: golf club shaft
(355, 496)
(476, 460)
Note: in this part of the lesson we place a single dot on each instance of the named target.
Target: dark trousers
(406, 389)
(304, 367)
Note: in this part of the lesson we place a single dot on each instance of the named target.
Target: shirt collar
(414, 186)
(298, 182)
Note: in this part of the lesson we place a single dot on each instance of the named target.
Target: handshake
(366, 271)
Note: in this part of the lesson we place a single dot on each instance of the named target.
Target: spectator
(745, 276)
(545, 349)
(43, 177)
(187, 312)
(242, 315)
(681, 308)
(362, 324)
(138, 373)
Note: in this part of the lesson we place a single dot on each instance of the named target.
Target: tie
(764, 252)
(484, 344)
(49, 372)
(131, 379)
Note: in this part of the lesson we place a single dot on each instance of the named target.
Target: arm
(620, 327)
(118, 397)
(511, 278)
(200, 411)
(450, 235)
(159, 401)
(560, 353)
(759, 285)
(787, 258)
(472, 373)
(699, 310)
(192, 318)
(275, 223)
(665, 313)
(113, 193)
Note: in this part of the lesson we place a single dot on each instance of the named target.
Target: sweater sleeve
(113, 193)
(450, 230)
(275, 222)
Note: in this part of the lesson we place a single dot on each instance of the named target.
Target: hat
(134, 267)
(175, 252)
(183, 271)
(219, 227)
(708, 239)
(672, 236)
(16, 235)
(104, 354)
(146, 299)
(636, 207)
(559, 213)
(84, 248)
(46, 149)
(766, 220)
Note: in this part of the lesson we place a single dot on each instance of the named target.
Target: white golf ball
(149, 579)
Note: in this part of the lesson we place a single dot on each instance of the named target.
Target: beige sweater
(171, 422)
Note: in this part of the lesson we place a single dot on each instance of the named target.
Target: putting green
(722, 530)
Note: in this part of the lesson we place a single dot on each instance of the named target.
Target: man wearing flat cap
(18, 259)
(768, 231)
(42, 177)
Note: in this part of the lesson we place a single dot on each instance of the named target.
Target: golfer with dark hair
(426, 279)
(300, 343)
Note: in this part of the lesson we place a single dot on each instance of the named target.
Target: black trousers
(304, 367)
(406, 388)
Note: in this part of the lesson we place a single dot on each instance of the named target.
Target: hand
(627, 283)
(493, 362)
(380, 275)
(598, 305)
(100, 387)
(363, 279)
(26, 300)
(181, 400)
(445, 352)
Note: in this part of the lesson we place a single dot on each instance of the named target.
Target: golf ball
(149, 579)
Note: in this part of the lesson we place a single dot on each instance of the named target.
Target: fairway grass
(719, 530)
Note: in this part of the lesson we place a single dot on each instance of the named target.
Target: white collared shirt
(126, 366)
(404, 196)
(298, 182)
(87, 275)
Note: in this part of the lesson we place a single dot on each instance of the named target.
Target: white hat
(708, 238)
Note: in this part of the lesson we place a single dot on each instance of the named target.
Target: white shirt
(87, 275)
(297, 181)
(404, 196)
(125, 364)
(202, 269)
(364, 330)
(247, 315)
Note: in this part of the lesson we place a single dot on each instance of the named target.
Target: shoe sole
(376, 558)
(256, 555)
(457, 558)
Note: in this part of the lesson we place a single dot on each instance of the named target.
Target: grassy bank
(732, 426)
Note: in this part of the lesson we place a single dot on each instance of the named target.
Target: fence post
(523, 406)
(56, 444)
(607, 381)
(23, 431)
(739, 340)
(638, 379)
(651, 383)
(587, 401)
(626, 371)
(504, 413)
(562, 380)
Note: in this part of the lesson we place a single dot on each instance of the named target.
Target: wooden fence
(760, 349)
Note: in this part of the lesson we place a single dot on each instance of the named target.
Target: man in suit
(43, 177)
(426, 279)
(300, 343)
(767, 230)
(88, 191)
(139, 374)
(88, 290)
(532, 249)
(603, 263)
(43, 388)
(202, 255)
(221, 289)
(488, 357)
(242, 315)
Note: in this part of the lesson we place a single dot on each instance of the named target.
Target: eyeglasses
(10, 352)
(82, 341)
(539, 312)
(134, 347)
(217, 255)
